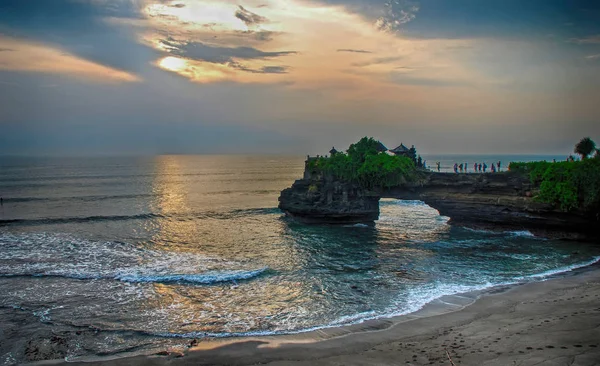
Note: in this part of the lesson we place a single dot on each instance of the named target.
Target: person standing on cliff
(455, 167)
(484, 167)
(438, 165)
(479, 167)
(499, 164)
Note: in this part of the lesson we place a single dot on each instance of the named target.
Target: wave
(143, 216)
(207, 278)
(561, 270)
(90, 198)
(520, 233)
(56, 255)
(418, 299)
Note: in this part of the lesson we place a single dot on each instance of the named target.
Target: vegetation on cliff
(365, 165)
(585, 147)
(570, 185)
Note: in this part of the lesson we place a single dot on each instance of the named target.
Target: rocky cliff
(492, 201)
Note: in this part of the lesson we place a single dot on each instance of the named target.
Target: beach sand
(553, 322)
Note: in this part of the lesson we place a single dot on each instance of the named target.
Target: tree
(597, 156)
(585, 147)
(359, 151)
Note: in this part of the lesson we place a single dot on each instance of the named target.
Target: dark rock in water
(194, 342)
(329, 202)
(499, 201)
(39, 349)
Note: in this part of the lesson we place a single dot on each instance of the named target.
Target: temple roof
(381, 147)
(333, 151)
(400, 149)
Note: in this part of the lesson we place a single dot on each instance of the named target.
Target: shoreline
(437, 319)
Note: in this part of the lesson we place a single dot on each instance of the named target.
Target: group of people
(477, 167)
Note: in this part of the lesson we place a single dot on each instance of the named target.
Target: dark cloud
(351, 50)
(6, 49)
(378, 61)
(262, 70)
(275, 69)
(179, 5)
(249, 17)
(80, 28)
(216, 54)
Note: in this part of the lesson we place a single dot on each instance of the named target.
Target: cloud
(378, 61)
(40, 58)
(178, 5)
(593, 57)
(249, 17)
(81, 29)
(216, 54)
(261, 70)
(397, 13)
(405, 79)
(274, 69)
(353, 51)
(595, 39)
(262, 35)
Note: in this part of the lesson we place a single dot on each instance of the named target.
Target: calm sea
(133, 254)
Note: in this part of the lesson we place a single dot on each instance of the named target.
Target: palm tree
(585, 147)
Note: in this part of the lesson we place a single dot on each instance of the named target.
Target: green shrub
(568, 185)
(366, 166)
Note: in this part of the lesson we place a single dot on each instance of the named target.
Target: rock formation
(492, 201)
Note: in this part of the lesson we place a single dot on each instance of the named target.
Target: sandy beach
(552, 322)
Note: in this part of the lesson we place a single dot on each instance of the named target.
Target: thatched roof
(400, 149)
(381, 147)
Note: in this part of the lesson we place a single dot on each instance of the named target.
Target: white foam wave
(524, 233)
(204, 278)
(59, 255)
(521, 233)
(419, 298)
(357, 225)
(565, 269)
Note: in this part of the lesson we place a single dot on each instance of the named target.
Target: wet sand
(554, 322)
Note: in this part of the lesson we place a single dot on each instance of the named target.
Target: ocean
(116, 255)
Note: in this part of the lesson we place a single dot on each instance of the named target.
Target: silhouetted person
(484, 167)
(466, 167)
(479, 167)
(455, 168)
(438, 165)
(554, 160)
(493, 168)
(475, 167)
(499, 164)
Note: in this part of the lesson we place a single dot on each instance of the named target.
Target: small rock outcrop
(329, 202)
(502, 201)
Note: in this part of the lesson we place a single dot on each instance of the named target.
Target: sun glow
(172, 63)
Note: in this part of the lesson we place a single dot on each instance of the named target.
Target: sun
(172, 63)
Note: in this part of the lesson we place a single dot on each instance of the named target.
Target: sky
(110, 77)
